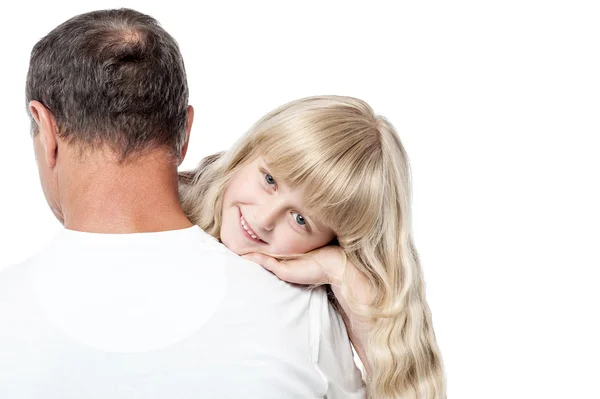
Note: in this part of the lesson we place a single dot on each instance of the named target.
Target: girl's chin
(237, 248)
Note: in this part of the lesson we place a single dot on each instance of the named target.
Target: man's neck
(108, 197)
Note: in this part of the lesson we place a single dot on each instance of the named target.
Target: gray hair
(112, 78)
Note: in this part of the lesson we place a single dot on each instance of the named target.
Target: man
(130, 299)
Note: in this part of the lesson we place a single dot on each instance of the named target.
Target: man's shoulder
(15, 270)
(15, 280)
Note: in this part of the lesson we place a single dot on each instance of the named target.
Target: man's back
(160, 310)
(164, 315)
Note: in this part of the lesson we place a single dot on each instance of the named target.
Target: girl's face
(261, 214)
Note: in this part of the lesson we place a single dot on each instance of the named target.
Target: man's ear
(46, 129)
(188, 129)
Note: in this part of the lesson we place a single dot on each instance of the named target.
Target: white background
(498, 105)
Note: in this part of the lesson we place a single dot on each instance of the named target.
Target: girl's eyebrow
(263, 164)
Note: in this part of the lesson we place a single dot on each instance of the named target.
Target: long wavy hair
(356, 178)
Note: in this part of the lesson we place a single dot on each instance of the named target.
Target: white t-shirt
(170, 315)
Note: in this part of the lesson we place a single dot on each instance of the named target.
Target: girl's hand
(321, 266)
(326, 266)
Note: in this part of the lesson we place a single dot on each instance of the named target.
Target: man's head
(109, 81)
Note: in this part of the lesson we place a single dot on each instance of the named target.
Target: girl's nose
(266, 216)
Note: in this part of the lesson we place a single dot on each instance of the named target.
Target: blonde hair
(355, 173)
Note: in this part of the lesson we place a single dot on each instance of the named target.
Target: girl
(318, 192)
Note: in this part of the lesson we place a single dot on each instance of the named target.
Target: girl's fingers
(298, 271)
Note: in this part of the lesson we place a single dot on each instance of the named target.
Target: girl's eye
(299, 218)
(269, 179)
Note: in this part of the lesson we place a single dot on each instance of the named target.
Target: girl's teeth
(246, 228)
